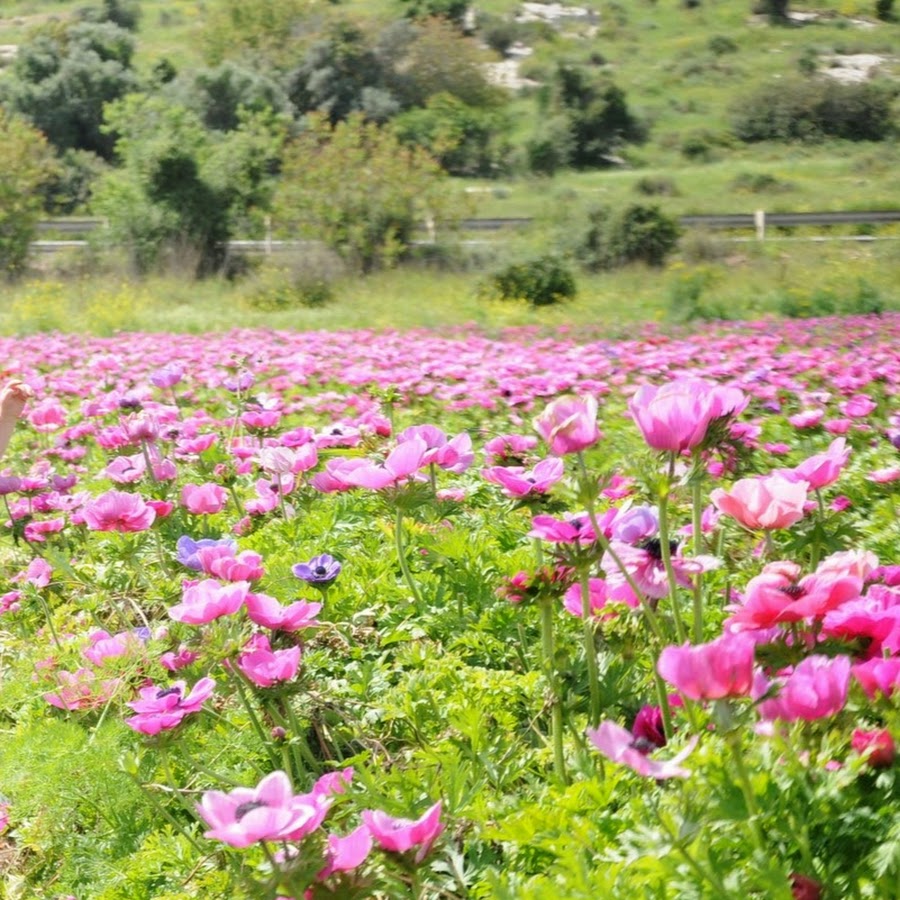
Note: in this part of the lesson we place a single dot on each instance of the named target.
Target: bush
(686, 302)
(759, 183)
(811, 110)
(636, 234)
(720, 44)
(302, 280)
(656, 186)
(884, 10)
(799, 304)
(542, 282)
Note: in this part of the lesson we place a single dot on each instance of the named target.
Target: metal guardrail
(758, 221)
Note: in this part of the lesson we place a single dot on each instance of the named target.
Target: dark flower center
(643, 745)
(653, 546)
(320, 570)
(167, 692)
(247, 807)
(794, 591)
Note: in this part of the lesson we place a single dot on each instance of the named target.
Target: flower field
(382, 614)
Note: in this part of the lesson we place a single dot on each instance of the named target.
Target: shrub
(811, 110)
(796, 303)
(656, 186)
(884, 10)
(303, 280)
(759, 183)
(686, 302)
(720, 44)
(640, 234)
(542, 282)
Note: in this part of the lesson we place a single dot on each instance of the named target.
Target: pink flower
(174, 661)
(569, 424)
(518, 482)
(268, 612)
(644, 564)
(570, 530)
(160, 709)
(816, 688)
(204, 499)
(207, 600)
(221, 562)
(266, 667)
(884, 476)
(346, 853)
(401, 464)
(776, 597)
(81, 689)
(823, 469)
(875, 616)
(876, 745)
(268, 812)
(858, 406)
(677, 416)
(4, 817)
(765, 503)
(721, 668)
(38, 573)
(807, 418)
(118, 511)
(597, 599)
(105, 646)
(401, 835)
(508, 449)
(621, 746)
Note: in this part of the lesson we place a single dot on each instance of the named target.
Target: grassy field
(711, 277)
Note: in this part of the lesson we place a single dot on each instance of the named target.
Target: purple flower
(320, 571)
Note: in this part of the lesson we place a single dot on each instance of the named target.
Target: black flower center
(247, 807)
(794, 591)
(643, 745)
(653, 546)
(167, 692)
(320, 570)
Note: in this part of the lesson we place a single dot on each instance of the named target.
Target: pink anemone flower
(621, 746)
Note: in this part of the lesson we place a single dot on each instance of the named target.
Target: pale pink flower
(268, 612)
(764, 503)
(569, 424)
(220, 561)
(823, 469)
(621, 746)
(204, 499)
(401, 464)
(518, 482)
(81, 689)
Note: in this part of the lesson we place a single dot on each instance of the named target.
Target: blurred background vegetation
(369, 131)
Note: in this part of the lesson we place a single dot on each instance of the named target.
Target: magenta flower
(508, 449)
(621, 746)
(518, 482)
(569, 424)
(677, 416)
(402, 835)
(876, 745)
(268, 812)
(875, 616)
(268, 612)
(401, 464)
(207, 600)
(879, 675)
(816, 688)
(644, 563)
(161, 709)
(570, 530)
(204, 499)
(765, 503)
(118, 511)
(598, 596)
(188, 549)
(104, 646)
(266, 667)
(721, 668)
(4, 817)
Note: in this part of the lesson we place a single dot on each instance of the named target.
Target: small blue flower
(320, 571)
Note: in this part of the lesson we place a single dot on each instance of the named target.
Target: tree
(180, 188)
(355, 187)
(26, 163)
(341, 74)
(776, 10)
(590, 118)
(62, 79)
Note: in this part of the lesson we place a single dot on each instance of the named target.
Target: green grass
(739, 280)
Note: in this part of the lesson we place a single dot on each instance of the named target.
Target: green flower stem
(697, 524)
(264, 739)
(556, 717)
(401, 557)
(148, 462)
(305, 751)
(154, 802)
(666, 553)
(734, 743)
(650, 616)
(590, 650)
